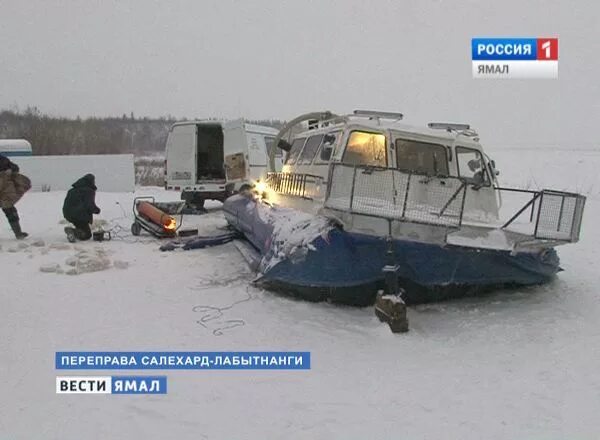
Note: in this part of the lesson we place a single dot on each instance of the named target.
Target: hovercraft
(355, 186)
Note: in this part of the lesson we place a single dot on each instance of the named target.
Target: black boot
(71, 236)
(16, 227)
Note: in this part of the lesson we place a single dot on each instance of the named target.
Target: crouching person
(12, 187)
(79, 207)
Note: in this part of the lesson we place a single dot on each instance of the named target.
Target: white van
(212, 160)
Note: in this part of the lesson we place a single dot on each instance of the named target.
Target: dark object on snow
(200, 242)
(12, 187)
(188, 232)
(81, 231)
(389, 306)
(170, 246)
(101, 236)
(392, 310)
(80, 203)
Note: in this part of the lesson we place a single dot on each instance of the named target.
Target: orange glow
(260, 187)
(262, 190)
(366, 149)
(170, 224)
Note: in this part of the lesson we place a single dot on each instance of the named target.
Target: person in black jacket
(10, 192)
(79, 207)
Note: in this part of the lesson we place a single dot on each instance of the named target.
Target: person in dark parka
(79, 207)
(12, 187)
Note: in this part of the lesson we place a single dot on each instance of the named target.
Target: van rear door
(181, 155)
(259, 147)
(269, 144)
(257, 155)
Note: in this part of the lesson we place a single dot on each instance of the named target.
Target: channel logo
(514, 58)
(111, 385)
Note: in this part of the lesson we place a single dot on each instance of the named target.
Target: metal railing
(416, 198)
(558, 214)
(396, 195)
(294, 184)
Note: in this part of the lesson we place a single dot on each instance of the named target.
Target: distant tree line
(50, 135)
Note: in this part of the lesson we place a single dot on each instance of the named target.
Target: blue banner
(503, 49)
(182, 360)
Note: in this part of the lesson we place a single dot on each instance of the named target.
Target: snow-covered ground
(522, 364)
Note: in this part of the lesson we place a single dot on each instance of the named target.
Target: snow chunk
(89, 265)
(50, 268)
(120, 264)
(86, 261)
(60, 246)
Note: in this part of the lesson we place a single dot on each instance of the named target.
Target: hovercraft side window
(470, 166)
(327, 148)
(421, 157)
(294, 151)
(310, 149)
(365, 148)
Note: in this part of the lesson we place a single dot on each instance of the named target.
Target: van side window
(310, 149)
(269, 143)
(421, 157)
(365, 148)
(294, 151)
(470, 166)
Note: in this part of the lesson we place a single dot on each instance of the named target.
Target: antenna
(448, 126)
(460, 129)
(376, 114)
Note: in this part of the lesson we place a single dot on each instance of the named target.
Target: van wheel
(193, 199)
(197, 203)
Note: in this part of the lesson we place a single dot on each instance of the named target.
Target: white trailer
(212, 160)
(15, 147)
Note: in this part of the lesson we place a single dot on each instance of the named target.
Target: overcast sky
(277, 59)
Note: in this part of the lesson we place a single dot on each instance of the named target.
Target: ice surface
(521, 364)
